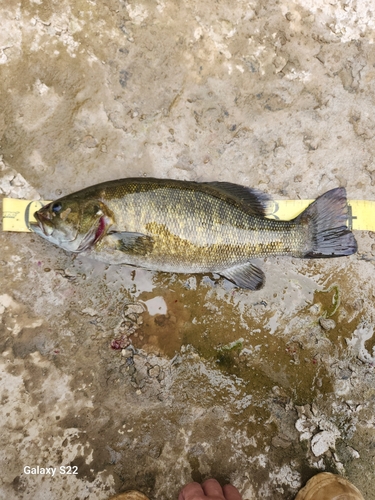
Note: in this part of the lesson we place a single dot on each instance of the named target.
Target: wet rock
(327, 324)
(353, 453)
(130, 495)
(345, 373)
(304, 411)
(132, 317)
(155, 451)
(127, 353)
(89, 141)
(90, 311)
(323, 441)
(14, 185)
(154, 372)
(139, 114)
(134, 308)
(115, 456)
(131, 370)
(280, 441)
(69, 274)
(305, 428)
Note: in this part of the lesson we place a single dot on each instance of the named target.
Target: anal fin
(245, 276)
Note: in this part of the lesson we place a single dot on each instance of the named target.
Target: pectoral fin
(133, 243)
(245, 276)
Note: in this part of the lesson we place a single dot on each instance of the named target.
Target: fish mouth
(41, 224)
(44, 228)
(34, 226)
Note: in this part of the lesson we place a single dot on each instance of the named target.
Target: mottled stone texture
(204, 380)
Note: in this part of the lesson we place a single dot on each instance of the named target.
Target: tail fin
(328, 235)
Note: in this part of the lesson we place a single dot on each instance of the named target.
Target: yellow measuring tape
(361, 213)
(17, 214)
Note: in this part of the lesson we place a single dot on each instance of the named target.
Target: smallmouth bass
(190, 227)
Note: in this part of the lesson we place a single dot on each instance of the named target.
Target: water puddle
(273, 337)
(233, 330)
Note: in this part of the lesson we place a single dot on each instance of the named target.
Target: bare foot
(210, 490)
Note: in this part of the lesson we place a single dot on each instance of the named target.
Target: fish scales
(179, 226)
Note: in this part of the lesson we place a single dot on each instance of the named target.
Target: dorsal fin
(254, 201)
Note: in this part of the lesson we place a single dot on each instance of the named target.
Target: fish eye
(56, 207)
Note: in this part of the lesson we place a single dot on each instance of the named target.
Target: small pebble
(354, 453)
(154, 371)
(90, 311)
(132, 317)
(327, 324)
(133, 309)
(127, 353)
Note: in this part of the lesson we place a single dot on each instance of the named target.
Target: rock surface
(202, 380)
